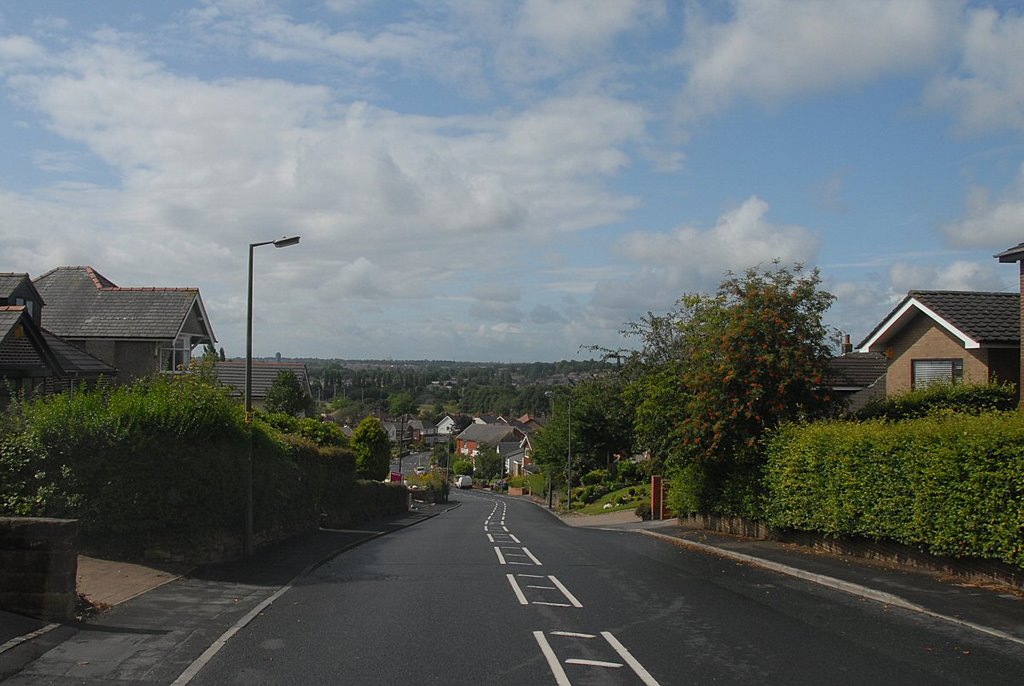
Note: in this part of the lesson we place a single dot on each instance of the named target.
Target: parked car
(463, 482)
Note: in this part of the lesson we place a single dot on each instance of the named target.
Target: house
(476, 437)
(949, 335)
(453, 424)
(1016, 254)
(32, 359)
(139, 331)
(231, 373)
(858, 378)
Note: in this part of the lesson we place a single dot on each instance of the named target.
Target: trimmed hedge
(158, 468)
(943, 398)
(949, 484)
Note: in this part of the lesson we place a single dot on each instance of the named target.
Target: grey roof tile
(81, 303)
(986, 317)
(231, 373)
(858, 370)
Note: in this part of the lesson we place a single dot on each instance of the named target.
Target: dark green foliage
(287, 395)
(943, 397)
(372, 447)
(464, 467)
(324, 434)
(403, 403)
(489, 465)
(952, 484)
(158, 466)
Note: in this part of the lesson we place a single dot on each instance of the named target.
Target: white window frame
(176, 359)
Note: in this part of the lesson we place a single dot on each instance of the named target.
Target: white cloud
(741, 238)
(959, 275)
(390, 206)
(989, 223)
(769, 50)
(987, 88)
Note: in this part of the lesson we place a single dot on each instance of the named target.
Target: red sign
(396, 477)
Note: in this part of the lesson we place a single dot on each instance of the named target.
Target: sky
(508, 181)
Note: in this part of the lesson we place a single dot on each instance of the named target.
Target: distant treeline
(442, 386)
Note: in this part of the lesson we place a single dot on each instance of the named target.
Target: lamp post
(248, 542)
(568, 465)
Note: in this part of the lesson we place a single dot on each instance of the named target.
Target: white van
(463, 482)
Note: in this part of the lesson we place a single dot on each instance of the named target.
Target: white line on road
(543, 602)
(572, 634)
(644, 675)
(556, 669)
(490, 538)
(565, 592)
(501, 558)
(532, 557)
(544, 588)
(518, 591)
(512, 536)
(593, 663)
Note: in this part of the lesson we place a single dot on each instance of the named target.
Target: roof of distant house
(857, 370)
(491, 434)
(974, 317)
(232, 373)
(82, 303)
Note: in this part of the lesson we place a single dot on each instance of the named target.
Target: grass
(641, 494)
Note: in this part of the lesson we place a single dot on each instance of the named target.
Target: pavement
(155, 625)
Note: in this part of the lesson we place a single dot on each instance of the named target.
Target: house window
(177, 358)
(30, 305)
(927, 372)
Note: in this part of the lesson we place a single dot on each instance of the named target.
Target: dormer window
(29, 305)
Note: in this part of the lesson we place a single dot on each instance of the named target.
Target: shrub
(643, 511)
(160, 465)
(462, 467)
(596, 476)
(945, 482)
(942, 397)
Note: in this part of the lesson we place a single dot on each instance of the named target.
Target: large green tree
(372, 448)
(287, 395)
(721, 370)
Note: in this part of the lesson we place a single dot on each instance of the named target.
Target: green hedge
(949, 484)
(160, 465)
(943, 398)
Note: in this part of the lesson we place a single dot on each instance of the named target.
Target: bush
(946, 483)
(160, 465)
(464, 467)
(942, 397)
(596, 476)
(643, 511)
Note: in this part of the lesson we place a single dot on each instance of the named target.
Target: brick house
(139, 331)
(231, 373)
(32, 359)
(1016, 254)
(951, 336)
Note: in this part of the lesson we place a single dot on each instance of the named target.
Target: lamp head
(285, 242)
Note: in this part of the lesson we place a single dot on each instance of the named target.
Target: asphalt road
(411, 461)
(498, 591)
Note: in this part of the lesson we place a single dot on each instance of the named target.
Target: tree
(287, 395)
(488, 464)
(402, 403)
(719, 372)
(372, 448)
(462, 467)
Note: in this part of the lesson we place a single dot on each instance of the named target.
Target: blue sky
(508, 181)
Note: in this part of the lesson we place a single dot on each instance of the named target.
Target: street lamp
(248, 542)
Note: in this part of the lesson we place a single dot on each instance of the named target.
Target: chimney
(847, 346)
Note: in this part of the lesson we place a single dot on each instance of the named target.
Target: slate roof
(491, 434)
(82, 303)
(74, 361)
(857, 370)
(983, 317)
(9, 281)
(232, 373)
(23, 352)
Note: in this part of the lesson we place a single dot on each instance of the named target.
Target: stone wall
(39, 567)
